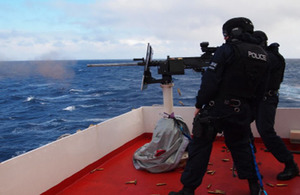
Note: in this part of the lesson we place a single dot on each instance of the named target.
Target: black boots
(290, 171)
(184, 191)
(254, 186)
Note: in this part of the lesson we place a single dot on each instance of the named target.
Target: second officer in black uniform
(266, 109)
(223, 103)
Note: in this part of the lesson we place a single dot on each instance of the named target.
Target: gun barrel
(112, 64)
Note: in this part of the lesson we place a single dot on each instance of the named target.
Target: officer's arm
(213, 76)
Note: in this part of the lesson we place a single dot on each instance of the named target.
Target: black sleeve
(212, 77)
(282, 66)
(277, 66)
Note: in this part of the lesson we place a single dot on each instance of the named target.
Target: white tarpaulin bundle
(169, 141)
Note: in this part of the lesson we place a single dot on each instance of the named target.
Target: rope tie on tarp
(172, 116)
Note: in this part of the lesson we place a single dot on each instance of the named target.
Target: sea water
(42, 100)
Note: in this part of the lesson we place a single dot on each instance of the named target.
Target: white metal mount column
(168, 97)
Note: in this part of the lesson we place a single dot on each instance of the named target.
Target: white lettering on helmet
(257, 56)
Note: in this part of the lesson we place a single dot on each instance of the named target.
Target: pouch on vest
(202, 126)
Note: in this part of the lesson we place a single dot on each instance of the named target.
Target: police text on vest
(257, 56)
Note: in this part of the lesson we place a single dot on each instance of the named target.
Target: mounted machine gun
(167, 68)
(173, 66)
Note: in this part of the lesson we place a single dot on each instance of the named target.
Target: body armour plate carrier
(242, 77)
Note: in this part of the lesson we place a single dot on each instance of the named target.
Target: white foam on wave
(87, 106)
(37, 85)
(30, 98)
(53, 122)
(18, 153)
(76, 90)
(34, 99)
(57, 97)
(95, 119)
(89, 97)
(70, 108)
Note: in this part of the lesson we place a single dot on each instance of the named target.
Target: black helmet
(237, 26)
(261, 37)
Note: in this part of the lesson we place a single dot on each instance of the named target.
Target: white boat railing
(39, 170)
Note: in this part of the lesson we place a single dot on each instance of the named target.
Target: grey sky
(120, 29)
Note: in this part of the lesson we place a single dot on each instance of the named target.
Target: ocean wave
(30, 98)
(76, 90)
(87, 106)
(291, 91)
(57, 97)
(39, 85)
(18, 153)
(95, 120)
(131, 79)
(53, 122)
(93, 96)
(21, 130)
(83, 99)
(70, 108)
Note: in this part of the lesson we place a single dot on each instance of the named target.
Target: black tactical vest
(242, 77)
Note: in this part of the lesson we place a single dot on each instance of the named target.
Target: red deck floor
(119, 169)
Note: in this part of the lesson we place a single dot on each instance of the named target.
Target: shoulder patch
(212, 65)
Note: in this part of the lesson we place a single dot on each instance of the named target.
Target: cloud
(122, 28)
(177, 25)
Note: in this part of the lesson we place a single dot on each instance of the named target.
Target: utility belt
(234, 103)
(204, 124)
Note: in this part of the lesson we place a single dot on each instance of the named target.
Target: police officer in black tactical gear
(266, 109)
(223, 104)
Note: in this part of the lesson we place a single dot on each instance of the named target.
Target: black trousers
(265, 120)
(236, 128)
